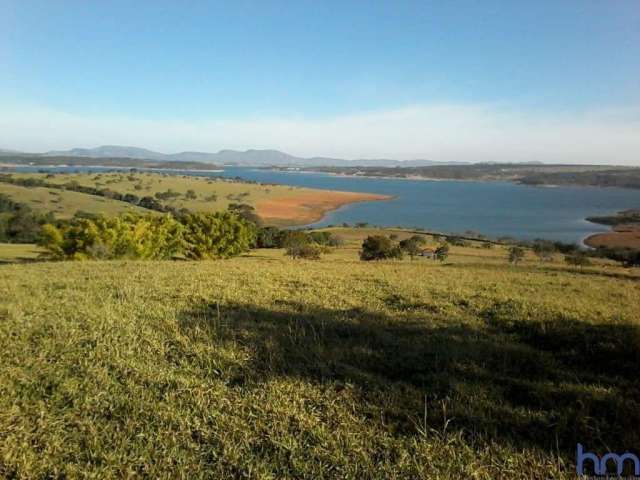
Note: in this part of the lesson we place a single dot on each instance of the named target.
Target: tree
(442, 252)
(269, 237)
(378, 247)
(217, 235)
(245, 211)
(306, 251)
(127, 236)
(577, 259)
(411, 247)
(516, 254)
(544, 250)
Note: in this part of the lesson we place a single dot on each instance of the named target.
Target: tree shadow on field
(547, 383)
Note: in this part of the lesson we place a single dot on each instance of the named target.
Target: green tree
(379, 247)
(577, 259)
(516, 254)
(411, 247)
(442, 252)
(217, 235)
(544, 250)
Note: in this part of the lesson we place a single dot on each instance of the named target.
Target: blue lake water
(491, 208)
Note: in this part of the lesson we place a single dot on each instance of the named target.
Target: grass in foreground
(263, 367)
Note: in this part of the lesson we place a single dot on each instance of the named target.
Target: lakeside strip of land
(625, 231)
(309, 206)
(526, 174)
(116, 192)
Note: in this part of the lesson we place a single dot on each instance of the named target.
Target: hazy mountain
(236, 157)
(109, 151)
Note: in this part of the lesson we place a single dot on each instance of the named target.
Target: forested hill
(529, 174)
(628, 178)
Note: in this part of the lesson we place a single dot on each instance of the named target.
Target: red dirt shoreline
(309, 207)
(622, 236)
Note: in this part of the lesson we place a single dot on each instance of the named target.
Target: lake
(491, 208)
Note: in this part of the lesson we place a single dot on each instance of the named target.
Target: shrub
(544, 250)
(577, 259)
(217, 235)
(268, 237)
(306, 251)
(411, 246)
(442, 252)
(516, 254)
(245, 211)
(128, 236)
(378, 247)
(458, 242)
(325, 238)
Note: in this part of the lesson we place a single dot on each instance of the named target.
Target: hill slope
(263, 367)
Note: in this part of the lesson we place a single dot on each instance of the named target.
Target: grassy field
(18, 252)
(277, 204)
(266, 367)
(64, 204)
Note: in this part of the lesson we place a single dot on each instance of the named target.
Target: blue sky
(450, 79)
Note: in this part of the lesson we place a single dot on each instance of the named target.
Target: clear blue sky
(232, 61)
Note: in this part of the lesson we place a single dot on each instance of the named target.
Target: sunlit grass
(266, 367)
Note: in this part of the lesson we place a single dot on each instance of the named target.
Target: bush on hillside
(20, 224)
(411, 246)
(577, 259)
(216, 235)
(516, 254)
(306, 251)
(442, 252)
(127, 236)
(378, 247)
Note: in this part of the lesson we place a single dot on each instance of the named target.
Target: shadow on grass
(547, 383)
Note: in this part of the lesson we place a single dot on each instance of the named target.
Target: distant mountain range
(262, 158)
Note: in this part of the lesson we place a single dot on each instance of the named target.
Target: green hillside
(266, 367)
(64, 203)
(198, 194)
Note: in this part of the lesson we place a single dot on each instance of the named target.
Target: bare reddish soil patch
(309, 207)
(623, 236)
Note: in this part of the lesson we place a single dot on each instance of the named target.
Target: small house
(429, 253)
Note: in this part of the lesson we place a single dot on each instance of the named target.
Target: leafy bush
(378, 247)
(246, 212)
(18, 223)
(577, 259)
(127, 236)
(196, 236)
(458, 242)
(442, 252)
(544, 250)
(306, 251)
(516, 254)
(411, 246)
(217, 235)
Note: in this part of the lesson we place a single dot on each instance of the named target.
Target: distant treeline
(628, 178)
(38, 160)
(529, 174)
(147, 202)
(621, 218)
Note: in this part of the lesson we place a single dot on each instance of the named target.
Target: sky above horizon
(511, 80)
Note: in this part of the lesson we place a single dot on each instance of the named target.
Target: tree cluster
(194, 236)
